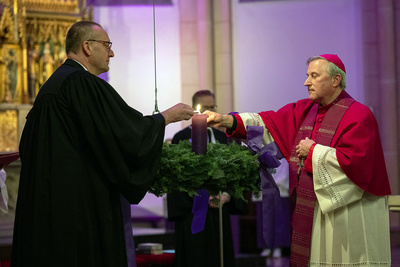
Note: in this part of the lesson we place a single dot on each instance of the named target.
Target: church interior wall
(132, 70)
(273, 40)
(271, 43)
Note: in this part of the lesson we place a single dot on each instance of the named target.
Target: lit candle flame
(198, 108)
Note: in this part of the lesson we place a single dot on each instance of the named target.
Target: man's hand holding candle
(177, 113)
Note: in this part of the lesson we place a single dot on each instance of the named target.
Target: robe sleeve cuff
(240, 131)
(308, 161)
(159, 118)
(331, 185)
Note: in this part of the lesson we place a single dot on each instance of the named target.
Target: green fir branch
(229, 168)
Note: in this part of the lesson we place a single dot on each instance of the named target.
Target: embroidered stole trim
(301, 186)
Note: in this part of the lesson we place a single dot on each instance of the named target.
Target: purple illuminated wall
(127, 2)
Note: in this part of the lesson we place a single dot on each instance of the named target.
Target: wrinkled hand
(214, 200)
(215, 119)
(177, 113)
(303, 147)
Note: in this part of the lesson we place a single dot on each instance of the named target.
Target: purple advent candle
(199, 134)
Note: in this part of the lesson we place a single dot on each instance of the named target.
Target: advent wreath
(230, 168)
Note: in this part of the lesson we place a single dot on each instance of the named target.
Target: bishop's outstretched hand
(215, 119)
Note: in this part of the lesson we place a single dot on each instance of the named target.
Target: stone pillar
(223, 86)
(206, 54)
(205, 45)
(379, 19)
(188, 46)
(387, 87)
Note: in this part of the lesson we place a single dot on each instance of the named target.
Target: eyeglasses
(108, 44)
(209, 107)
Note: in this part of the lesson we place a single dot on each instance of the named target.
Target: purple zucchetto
(335, 60)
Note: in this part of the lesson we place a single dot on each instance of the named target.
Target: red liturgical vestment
(348, 175)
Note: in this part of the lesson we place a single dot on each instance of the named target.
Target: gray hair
(78, 33)
(332, 70)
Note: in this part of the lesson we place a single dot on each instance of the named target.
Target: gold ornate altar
(32, 46)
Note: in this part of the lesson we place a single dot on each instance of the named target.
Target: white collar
(80, 64)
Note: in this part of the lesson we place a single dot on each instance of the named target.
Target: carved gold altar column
(32, 46)
(12, 121)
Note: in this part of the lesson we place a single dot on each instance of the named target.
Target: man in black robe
(203, 248)
(81, 149)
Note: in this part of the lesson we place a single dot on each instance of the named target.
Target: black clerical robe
(201, 249)
(81, 148)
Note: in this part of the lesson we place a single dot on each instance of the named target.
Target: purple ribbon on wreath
(268, 157)
(199, 210)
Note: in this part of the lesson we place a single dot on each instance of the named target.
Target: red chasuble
(358, 151)
(357, 142)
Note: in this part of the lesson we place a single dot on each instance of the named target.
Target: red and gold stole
(301, 186)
